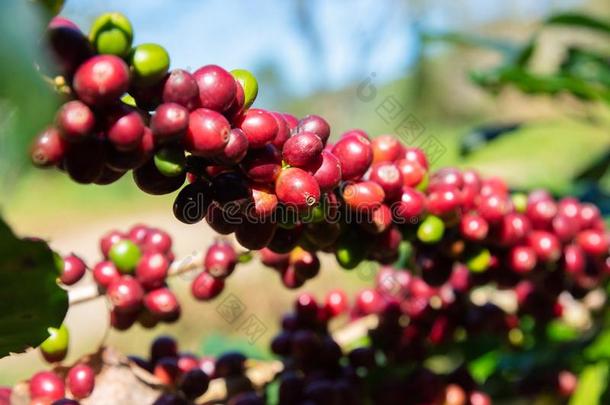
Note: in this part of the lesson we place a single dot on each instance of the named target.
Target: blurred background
(476, 83)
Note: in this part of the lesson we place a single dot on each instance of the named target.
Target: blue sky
(249, 34)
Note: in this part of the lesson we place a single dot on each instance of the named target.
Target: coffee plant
(480, 292)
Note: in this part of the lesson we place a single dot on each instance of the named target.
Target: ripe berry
(85, 161)
(163, 346)
(411, 205)
(368, 301)
(594, 243)
(297, 189)
(386, 148)
(205, 287)
(314, 124)
(187, 362)
(444, 201)
(216, 87)
(181, 88)
(473, 227)
(283, 131)
(167, 371)
(220, 259)
(104, 273)
(305, 264)
(513, 228)
(101, 80)
(413, 173)
(541, 212)
(157, 240)
(355, 155)
(387, 175)
(336, 302)
(255, 235)
(125, 294)
(151, 270)
(55, 347)
(48, 385)
(194, 383)
(126, 129)
(545, 244)
(364, 196)
(207, 134)
(191, 204)
(235, 149)
(48, 149)
(493, 207)
(259, 126)
(75, 121)
(74, 269)
(327, 173)
(416, 155)
(80, 381)
(125, 255)
(67, 45)
(522, 259)
(265, 202)
(262, 165)
(302, 149)
(230, 364)
(163, 304)
(169, 123)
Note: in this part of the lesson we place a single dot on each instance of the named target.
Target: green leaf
(600, 348)
(30, 298)
(579, 20)
(484, 366)
(592, 383)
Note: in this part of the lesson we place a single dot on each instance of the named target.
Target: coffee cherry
(216, 87)
(101, 80)
(149, 63)
(355, 155)
(68, 47)
(75, 121)
(220, 259)
(80, 381)
(187, 362)
(388, 176)
(444, 201)
(541, 212)
(167, 371)
(386, 148)
(473, 227)
(126, 129)
(157, 240)
(73, 270)
(255, 235)
(55, 347)
(259, 126)
(46, 384)
(412, 172)
(522, 259)
(314, 124)
(111, 33)
(493, 207)
(63, 401)
(125, 255)
(85, 161)
(594, 243)
(262, 165)
(181, 88)
(191, 204)
(208, 133)
(306, 264)
(205, 287)
(265, 202)
(122, 321)
(336, 302)
(235, 149)
(151, 270)
(513, 229)
(410, 207)
(302, 149)
(105, 273)
(283, 132)
(163, 304)
(48, 149)
(328, 173)
(546, 245)
(126, 295)
(151, 181)
(163, 346)
(364, 196)
(368, 301)
(413, 154)
(431, 229)
(194, 383)
(297, 189)
(249, 85)
(169, 123)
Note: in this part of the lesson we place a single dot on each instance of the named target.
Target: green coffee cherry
(479, 261)
(111, 33)
(350, 251)
(519, 201)
(431, 229)
(149, 63)
(55, 347)
(129, 100)
(248, 83)
(170, 161)
(125, 255)
(59, 263)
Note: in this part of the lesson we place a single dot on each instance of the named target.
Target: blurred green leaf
(217, 344)
(579, 20)
(30, 298)
(27, 103)
(600, 348)
(484, 366)
(592, 383)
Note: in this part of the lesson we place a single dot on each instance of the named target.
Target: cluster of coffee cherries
(317, 371)
(186, 377)
(50, 388)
